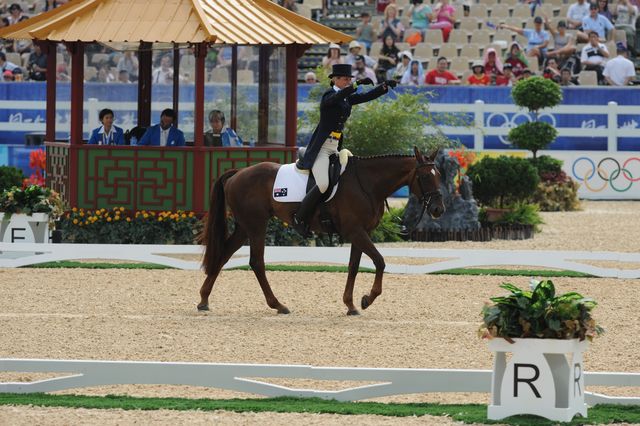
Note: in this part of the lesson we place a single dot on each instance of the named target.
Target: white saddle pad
(291, 185)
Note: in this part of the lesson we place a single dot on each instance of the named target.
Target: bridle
(426, 197)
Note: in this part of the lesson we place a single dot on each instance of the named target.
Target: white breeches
(320, 167)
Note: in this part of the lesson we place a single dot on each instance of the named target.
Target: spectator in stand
(163, 133)
(491, 61)
(163, 74)
(104, 73)
(551, 70)
(538, 39)
(62, 72)
(576, 13)
(129, 63)
(52, 4)
(355, 49)
(507, 78)
(310, 78)
(619, 71)
(15, 14)
(333, 57)
(445, 18)
(107, 134)
(361, 70)
(441, 76)
(516, 59)
(478, 78)
(289, 5)
(37, 65)
(626, 15)
(566, 77)
(413, 75)
(365, 34)
(598, 23)
(7, 76)
(8, 66)
(388, 58)
(594, 55)
(603, 9)
(381, 5)
(123, 77)
(526, 73)
(405, 57)
(390, 24)
(421, 15)
(563, 45)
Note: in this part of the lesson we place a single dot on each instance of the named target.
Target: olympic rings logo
(500, 119)
(609, 172)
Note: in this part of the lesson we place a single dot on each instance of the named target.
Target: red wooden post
(198, 128)
(50, 50)
(176, 82)
(234, 88)
(77, 117)
(144, 84)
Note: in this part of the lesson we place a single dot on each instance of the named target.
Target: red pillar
(77, 117)
(50, 50)
(234, 88)
(176, 82)
(144, 84)
(199, 175)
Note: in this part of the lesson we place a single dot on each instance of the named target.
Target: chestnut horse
(355, 210)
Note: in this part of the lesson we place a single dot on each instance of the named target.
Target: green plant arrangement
(32, 199)
(522, 213)
(539, 313)
(556, 191)
(390, 227)
(120, 226)
(504, 180)
(10, 177)
(534, 94)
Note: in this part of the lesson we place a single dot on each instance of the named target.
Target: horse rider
(335, 108)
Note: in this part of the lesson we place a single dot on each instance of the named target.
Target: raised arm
(331, 98)
(511, 28)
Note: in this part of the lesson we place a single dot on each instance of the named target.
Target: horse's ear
(433, 155)
(418, 154)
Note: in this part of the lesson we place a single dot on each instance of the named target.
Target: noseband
(425, 196)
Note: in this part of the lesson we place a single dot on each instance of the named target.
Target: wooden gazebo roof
(251, 22)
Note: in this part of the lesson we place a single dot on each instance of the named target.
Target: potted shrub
(33, 208)
(534, 94)
(546, 335)
(556, 191)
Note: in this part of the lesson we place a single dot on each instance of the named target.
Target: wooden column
(263, 93)
(50, 49)
(77, 117)
(199, 174)
(294, 52)
(144, 84)
(176, 82)
(234, 88)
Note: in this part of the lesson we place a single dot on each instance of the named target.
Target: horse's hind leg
(354, 264)
(233, 243)
(256, 262)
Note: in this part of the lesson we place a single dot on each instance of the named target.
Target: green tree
(535, 94)
(10, 177)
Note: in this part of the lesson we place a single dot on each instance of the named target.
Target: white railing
(14, 255)
(234, 377)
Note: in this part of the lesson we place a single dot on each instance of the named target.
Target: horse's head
(425, 183)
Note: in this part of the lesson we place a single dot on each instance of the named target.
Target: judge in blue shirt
(107, 134)
(219, 135)
(163, 134)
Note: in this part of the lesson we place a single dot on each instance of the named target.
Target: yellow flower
(184, 216)
(81, 214)
(146, 216)
(191, 214)
(121, 209)
(108, 219)
(75, 209)
(286, 225)
(75, 221)
(103, 210)
(128, 219)
(159, 218)
(116, 218)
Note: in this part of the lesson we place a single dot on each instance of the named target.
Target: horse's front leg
(364, 243)
(354, 264)
(256, 261)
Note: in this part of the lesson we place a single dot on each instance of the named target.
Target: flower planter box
(22, 228)
(543, 377)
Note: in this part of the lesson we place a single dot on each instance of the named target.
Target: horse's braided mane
(374, 157)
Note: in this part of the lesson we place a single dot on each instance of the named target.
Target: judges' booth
(138, 58)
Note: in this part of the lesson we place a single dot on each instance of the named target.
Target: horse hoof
(365, 302)
(203, 308)
(353, 313)
(283, 310)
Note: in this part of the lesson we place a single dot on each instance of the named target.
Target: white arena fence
(24, 254)
(242, 378)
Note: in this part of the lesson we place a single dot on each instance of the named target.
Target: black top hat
(341, 70)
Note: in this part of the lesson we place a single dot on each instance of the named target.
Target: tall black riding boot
(302, 217)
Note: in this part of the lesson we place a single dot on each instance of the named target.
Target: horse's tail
(214, 233)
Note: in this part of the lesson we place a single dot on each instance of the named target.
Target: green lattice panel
(165, 180)
(106, 178)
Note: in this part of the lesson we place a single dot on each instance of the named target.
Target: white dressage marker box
(544, 377)
(22, 228)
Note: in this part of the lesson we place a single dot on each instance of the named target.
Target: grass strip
(325, 268)
(467, 413)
